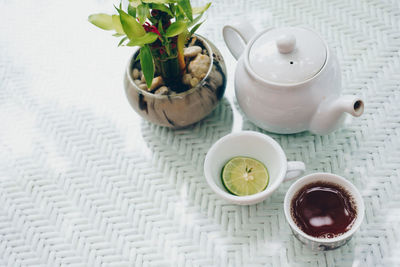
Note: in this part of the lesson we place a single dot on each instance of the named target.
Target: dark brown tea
(323, 210)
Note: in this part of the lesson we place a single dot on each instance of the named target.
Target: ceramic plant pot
(179, 109)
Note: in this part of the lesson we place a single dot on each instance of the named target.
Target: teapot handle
(237, 36)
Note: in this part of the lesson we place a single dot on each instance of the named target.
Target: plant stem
(182, 38)
(168, 69)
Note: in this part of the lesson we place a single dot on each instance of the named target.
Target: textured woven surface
(85, 182)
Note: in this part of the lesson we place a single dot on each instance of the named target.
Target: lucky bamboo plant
(161, 28)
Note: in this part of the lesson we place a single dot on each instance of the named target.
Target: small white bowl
(324, 243)
(255, 145)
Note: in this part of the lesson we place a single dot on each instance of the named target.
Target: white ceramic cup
(255, 145)
(323, 243)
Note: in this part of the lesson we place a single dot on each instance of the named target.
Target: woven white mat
(85, 182)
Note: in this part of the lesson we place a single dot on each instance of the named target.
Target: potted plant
(174, 77)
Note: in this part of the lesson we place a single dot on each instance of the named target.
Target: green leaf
(117, 24)
(172, 8)
(143, 12)
(118, 34)
(179, 13)
(103, 21)
(194, 29)
(162, 8)
(148, 38)
(146, 61)
(182, 39)
(131, 27)
(187, 8)
(153, 20)
(132, 11)
(159, 1)
(122, 40)
(160, 28)
(199, 10)
(176, 28)
(193, 22)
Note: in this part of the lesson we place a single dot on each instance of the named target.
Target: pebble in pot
(197, 68)
(192, 51)
(163, 90)
(135, 74)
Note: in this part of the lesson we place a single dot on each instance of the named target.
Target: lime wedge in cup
(244, 176)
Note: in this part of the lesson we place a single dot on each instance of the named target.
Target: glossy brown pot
(182, 109)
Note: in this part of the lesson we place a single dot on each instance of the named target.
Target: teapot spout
(352, 105)
(330, 113)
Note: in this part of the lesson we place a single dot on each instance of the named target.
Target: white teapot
(287, 80)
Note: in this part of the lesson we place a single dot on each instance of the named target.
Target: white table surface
(84, 181)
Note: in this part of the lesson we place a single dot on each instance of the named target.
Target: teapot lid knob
(286, 43)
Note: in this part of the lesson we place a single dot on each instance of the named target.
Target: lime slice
(244, 176)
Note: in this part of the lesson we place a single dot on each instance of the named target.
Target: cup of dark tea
(323, 210)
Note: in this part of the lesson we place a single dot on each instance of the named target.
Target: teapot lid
(287, 55)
